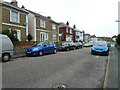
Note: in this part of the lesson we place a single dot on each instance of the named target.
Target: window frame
(11, 17)
(42, 23)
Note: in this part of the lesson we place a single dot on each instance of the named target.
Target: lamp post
(118, 26)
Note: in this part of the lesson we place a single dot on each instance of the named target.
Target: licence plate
(98, 51)
(28, 52)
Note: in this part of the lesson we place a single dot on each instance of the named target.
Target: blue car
(41, 48)
(100, 48)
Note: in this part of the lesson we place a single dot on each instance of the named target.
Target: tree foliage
(118, 39)
(12, 34)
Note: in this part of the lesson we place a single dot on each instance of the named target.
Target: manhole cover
(59, 87)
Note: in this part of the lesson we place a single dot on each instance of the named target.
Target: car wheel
(67, 49)
(55, 51)
(40, 53)
(5, 57)
(73, 48)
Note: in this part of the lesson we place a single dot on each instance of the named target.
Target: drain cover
(59, 87)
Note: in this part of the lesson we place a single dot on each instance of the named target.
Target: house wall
(48, 29)
(32, 26)
(63, 32)
(0, 18)
(7, 24)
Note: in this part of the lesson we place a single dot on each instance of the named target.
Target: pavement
(74, 69)
(113, 79)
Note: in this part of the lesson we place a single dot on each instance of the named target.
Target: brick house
(14, 18)
(42, 28)
(78, 35)
(66, 32)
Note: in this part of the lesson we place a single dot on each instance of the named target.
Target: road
(75, 69)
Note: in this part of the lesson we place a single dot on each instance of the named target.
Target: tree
(118, 39)
(29, 37)
(12, 34)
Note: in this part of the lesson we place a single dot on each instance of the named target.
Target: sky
(96, 17)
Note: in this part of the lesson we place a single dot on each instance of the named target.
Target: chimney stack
(14, 2)
(48, 17)
(74, 26)
(67, 23)
(23, 7)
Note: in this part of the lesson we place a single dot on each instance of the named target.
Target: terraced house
(14, 18)
(42, 28)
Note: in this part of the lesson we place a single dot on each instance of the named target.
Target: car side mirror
(45, 45)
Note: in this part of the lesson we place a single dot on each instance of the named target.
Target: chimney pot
(67, 23)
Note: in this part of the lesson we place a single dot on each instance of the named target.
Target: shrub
(12, 34)
(29, 37)
(118, 39)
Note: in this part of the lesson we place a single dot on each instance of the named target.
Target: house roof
(9, 5)
(64, 25)
(77, 30)
(41, 16)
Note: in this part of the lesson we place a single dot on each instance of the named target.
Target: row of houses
(40, 27)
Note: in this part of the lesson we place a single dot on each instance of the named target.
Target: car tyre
(55, 51)
(6, 57)
(40, 53)
(73, 48)
(67, 49)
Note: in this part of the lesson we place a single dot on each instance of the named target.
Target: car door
(51, 46)
(46, 47)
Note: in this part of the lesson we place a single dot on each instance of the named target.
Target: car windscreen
(39, 44)
(100, 44)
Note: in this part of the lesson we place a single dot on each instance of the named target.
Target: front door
(42, 36)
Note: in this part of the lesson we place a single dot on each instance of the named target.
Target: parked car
(6, 48)
(66, 46)
(78, 45)
(87, 45)
(100, 48)
(41, 48)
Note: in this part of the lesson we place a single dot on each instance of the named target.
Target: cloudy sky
(94, 16)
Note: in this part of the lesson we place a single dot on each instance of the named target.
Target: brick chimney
(23, 7)
(74, 26)
(48, 17)
(14, 2)
(67, 23)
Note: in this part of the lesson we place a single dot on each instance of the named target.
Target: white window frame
(18, 35)
(70, 31)
(11, 19)
(54, 26)
(54, 37)
(66, 30)
(42, 23)
(45, 36)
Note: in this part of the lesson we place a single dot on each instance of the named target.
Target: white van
(6, 48)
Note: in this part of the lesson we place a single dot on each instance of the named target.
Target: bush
(118, 39)
(29, 37)
(12, 34)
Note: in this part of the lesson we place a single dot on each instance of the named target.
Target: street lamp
(118, 26)
(117, 21)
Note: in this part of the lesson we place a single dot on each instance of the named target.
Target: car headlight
(106, 49)
(35, 49)
(93, 48)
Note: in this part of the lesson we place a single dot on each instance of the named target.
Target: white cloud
(94, 16)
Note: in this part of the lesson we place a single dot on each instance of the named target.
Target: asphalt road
(75, 69)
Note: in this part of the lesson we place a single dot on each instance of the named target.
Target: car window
(100, 44)
(51, 43)
(64, 43)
